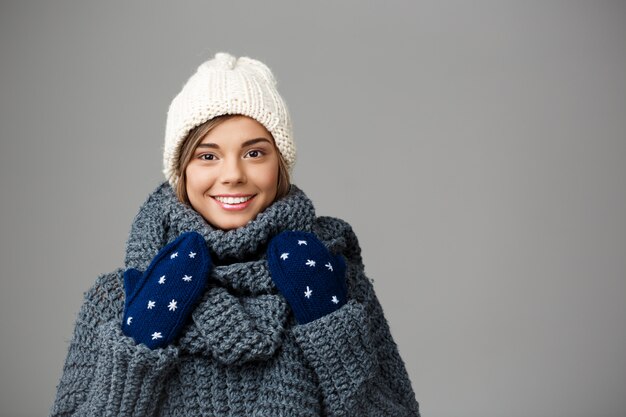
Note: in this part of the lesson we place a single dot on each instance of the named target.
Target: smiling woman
(235, 299)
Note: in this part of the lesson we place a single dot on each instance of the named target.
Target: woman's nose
(232, 171)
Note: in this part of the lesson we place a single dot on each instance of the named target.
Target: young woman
(235, 298)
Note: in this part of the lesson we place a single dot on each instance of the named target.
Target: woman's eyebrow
(243, 145)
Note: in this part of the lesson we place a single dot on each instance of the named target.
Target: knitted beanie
(227, 85)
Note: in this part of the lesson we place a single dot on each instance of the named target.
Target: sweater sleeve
(105, 372)
(353, 353)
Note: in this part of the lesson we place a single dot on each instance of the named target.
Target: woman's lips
(234, 207)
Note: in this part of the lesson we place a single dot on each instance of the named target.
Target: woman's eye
(255, 153)
(207, 156)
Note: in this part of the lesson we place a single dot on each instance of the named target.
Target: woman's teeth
(233, 200)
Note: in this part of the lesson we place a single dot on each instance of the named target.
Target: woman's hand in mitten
(160, 300)
(306, 273)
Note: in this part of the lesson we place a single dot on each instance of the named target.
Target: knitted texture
(227, 85)
(307, 274)
(159, 301)
(242, 353)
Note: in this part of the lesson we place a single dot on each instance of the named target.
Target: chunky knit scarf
(242, 353)
(242, 316)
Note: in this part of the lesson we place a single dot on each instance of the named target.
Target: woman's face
(233, 173)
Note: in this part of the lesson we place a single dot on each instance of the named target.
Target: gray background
(477, 148)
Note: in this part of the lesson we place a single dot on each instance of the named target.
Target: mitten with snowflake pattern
(305, 272)
(160, 300)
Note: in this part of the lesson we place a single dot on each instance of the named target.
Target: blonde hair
(191, 142)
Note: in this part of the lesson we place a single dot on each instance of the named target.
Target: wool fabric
(307, 274)
(227, 85)
(159, 300)
(242, 353)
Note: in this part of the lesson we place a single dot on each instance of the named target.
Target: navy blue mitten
(306, 273)
(160, 300)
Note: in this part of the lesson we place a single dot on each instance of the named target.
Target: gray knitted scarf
(241, 296)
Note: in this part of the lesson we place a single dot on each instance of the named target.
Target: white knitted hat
(227, 85)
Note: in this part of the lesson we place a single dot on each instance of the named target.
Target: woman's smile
(234, 203)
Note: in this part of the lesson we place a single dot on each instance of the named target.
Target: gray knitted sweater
(242, 352)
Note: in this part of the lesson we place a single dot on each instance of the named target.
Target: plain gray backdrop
(477, 148)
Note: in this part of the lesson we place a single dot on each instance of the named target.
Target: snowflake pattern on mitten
(310, 277)
(159, 301)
